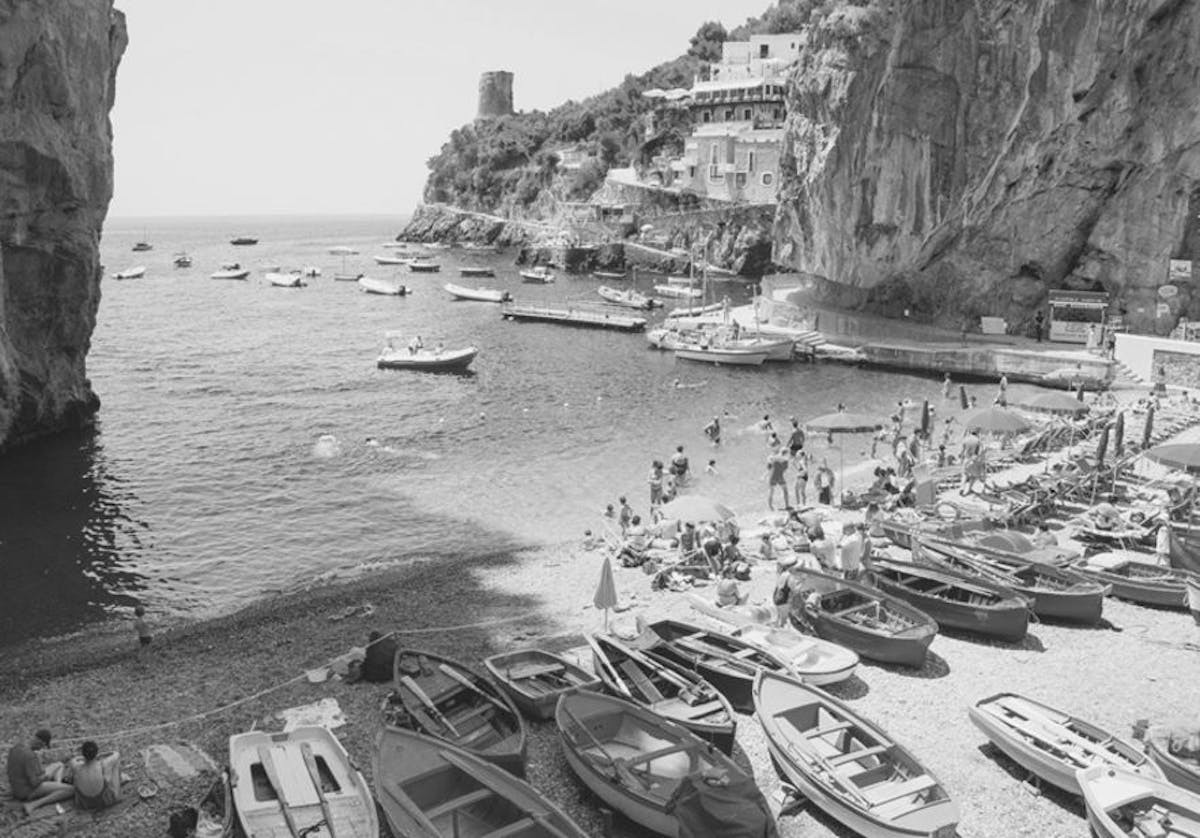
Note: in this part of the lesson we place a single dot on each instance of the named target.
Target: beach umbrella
(1148, 431)
(995, 420)
(962, 397)
(605, 597)
(844, 423)
(696, 508)
(925, 418)
(1079, 394)
(1102, 448)
(343, 250)
(1118, 435)
(1184, 456)
(1054, 402)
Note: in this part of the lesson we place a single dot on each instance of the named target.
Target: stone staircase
(1124, 377)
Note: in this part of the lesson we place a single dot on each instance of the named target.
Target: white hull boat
(627, 298)
(678, 292)
(482, 295)
(539, 274)
(1121, 804)
(425, 359)
(230, 273)
(286, 280)
(131, 273)
(391, 260)
(379, 286)
(724, 357)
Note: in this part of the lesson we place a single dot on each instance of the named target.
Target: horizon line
(132, 216)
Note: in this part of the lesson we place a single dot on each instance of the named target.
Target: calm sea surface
(200, 490)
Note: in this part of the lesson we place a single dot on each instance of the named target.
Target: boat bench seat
(889, 792)
(853, 609)
(830, 728)
(661, 752)
(514, 828)
(533, 670)
(872, 751)
(477, 710)
(460, 802)
(745, 653)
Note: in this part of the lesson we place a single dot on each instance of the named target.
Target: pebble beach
(202, 682)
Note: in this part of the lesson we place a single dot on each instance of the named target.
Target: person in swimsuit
(97, 779)
(777, 465)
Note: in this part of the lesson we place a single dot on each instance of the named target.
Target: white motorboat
(231, 270)
(286, 280)
(475, 270)
(722, 356)
(182, 260)
(131, 273)
(540, 274)
(381, 286)
(482, 295)
(427, 359)
(678, 291)
(628, 298)
(391, 260)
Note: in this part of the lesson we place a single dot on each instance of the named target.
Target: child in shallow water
(141, 627)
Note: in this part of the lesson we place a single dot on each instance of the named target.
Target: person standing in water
(946, 386)
(713, 431)
(777, 464)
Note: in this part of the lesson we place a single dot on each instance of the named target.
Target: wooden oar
(451, 672)
(310, 762)
(618, 764)
(416, 690)
(831, 775)
(607, 664)
(268, 764)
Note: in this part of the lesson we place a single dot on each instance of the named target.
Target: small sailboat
(540, 274)
(300, 782)
(142, 247)
(423, 266)
(131, 273)
(231, 270)
(183, 260)
(343, 250)
(429, 788)
(535, 679)
(610, 275)
(723, 355)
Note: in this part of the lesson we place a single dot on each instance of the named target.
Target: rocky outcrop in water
(963, 157)
(58, 63)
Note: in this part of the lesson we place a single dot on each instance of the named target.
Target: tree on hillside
(706, 43)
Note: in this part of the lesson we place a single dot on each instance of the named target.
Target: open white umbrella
(696, 508)
(843, 423)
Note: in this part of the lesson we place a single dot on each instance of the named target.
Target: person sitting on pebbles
(32, 784)
(97, 778)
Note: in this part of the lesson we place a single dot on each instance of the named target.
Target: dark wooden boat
(1051, 744)
(421, 267)
(428, 788)
(1135, 580)
(726, 662)
(243, 240)
(445, 699)
(535, 679)
(1054, 593)
(955, 600)
(877, 625)
(635, 760)
(653, 682)
(475, 270)
(1121, 805)
(847, 765)
(1178, 769)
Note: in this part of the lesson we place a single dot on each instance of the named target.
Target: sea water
(205, 485)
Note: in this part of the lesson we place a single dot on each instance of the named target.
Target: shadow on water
(66, 535)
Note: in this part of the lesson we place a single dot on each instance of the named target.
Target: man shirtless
(32, 784)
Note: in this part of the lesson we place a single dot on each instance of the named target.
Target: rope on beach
(197, 717)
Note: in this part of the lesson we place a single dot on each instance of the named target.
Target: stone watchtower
(495, 94)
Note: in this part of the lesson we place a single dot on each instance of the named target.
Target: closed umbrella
(1118, 435)
(606, 592)
(925, 418)
(696, 508)
(1101, 448)
(962, 397)
(843, 423)
(995, 420)
(1079, 394)
(1148, 431)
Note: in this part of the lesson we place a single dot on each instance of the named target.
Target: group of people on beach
(91, 779)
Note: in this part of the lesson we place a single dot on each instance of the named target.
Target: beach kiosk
(1072, 312)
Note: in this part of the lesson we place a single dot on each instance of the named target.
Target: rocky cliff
(58, 62)
(963, 157)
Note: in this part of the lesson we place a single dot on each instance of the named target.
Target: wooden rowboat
(539, 274)
(535, 679)
(447, 700)
(380, 286)
(1121, 804)
(726, 662)
(651, 681)
(428, 788)
(299, 782)
(811, 659)
(1175, 767)
(475, 270)
(628, 298)
(419, 266)
(609, 274)
(1136, 581)
(635, 760)
(1193, 596)
(848, 766)
(1051, 744)
(877, 626)
(1055, 593)
(482, 295)
(955, 600)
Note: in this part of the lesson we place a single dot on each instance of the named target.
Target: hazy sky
(295, 106)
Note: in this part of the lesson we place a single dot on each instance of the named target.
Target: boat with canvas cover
(877, 626)
(428, 788)
(1137, 581)
(481, 295)
(662, 687)
(447, 700)
(729, 664)
(1055, 593)
(1124, 805)
(847, 766)
(433, 360)
(955, 600)
(300, 782)
(635, 761)
(628, 298)
(534, 679)
(1051, 744)
(381, 286)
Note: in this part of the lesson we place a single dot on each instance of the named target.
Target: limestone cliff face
(965, 156)
(58, 62)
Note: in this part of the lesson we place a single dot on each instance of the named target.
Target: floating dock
(575, 316)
